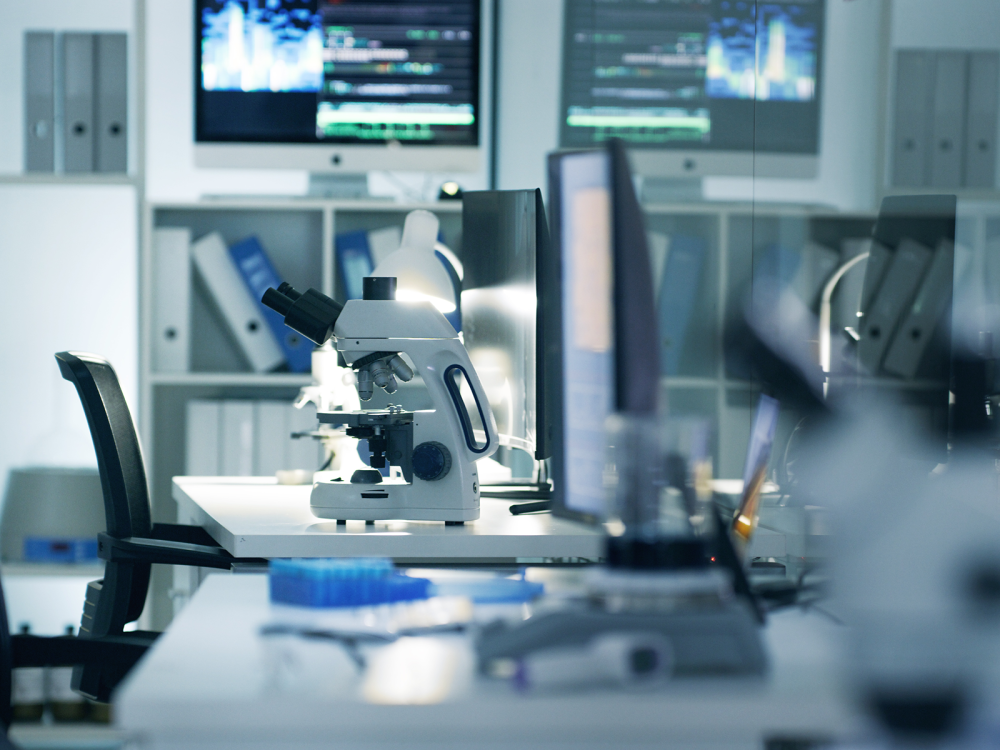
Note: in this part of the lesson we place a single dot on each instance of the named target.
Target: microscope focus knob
(431, 461)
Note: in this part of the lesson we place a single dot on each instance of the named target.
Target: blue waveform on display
(772, 55)
(261, 45)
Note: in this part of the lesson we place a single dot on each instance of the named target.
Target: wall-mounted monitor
(339, 86)
(696, 87)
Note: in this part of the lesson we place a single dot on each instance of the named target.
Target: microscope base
(342, 501)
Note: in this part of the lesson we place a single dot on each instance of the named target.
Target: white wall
(530, 61)
(69, 263)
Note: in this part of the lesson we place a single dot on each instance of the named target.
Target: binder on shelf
(202, 444)
(879, 257)
(678, 292)
(354, 261)
(303, 452)
(237, 438)
(383, 242)
(271, 437)
(778, 265)
(948, 119)
(911, 340)
(171, 299)
(216, 267)
(816, 264)
(110, 102)
(39, 101)
(659, 247)
(78, 102)
(981, 120)
(911, 127)
(848, 294)
(259, 275)
(894, 296)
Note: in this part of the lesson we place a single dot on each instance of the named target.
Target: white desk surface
(210, 682)
(256, 517)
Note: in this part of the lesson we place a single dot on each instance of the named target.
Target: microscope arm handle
(444, 372)
(461, 408)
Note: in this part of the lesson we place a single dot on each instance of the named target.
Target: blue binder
(677, 297)
(259, 275)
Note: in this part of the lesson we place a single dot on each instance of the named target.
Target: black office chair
(59, 651)
(130, 545)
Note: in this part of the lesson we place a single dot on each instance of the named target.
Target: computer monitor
(696, 87)
(506, 235)
(339, 86)
(604, 356)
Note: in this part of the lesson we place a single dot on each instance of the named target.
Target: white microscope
(434, 450)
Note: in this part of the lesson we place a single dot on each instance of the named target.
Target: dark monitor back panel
(500, 237)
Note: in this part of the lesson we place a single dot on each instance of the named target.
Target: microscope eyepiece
(310, 313)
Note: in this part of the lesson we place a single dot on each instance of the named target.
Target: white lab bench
(209, 682)
(257, 517)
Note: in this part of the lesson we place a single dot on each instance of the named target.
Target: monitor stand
(672, 190)
(344, 186)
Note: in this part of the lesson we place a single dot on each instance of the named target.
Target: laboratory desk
(256, 517)
(213, 681)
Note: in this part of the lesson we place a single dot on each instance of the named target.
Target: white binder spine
(981, 120)
(911, 340)
(948, 119)
(171, 299)
(78, 102)
(383, 242)
(39, 101)
(271, 437)
(303, 453)
(202, 441)
(237, 438)
(911, 129)
(818, 262)
(894, 296)
(211, 258)
(110, 102)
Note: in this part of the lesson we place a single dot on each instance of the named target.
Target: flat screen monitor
(339, 85)
(506, 235)
(696, 87)
(602, 342)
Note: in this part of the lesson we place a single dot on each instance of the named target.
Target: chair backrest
(119, 455)
(6, 671)
(121, 596)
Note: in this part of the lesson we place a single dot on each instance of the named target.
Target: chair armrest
(175, 532)
(160, 551)
(70, 650)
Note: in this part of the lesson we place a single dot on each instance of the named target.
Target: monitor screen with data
(699, 75)
(337, 72)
